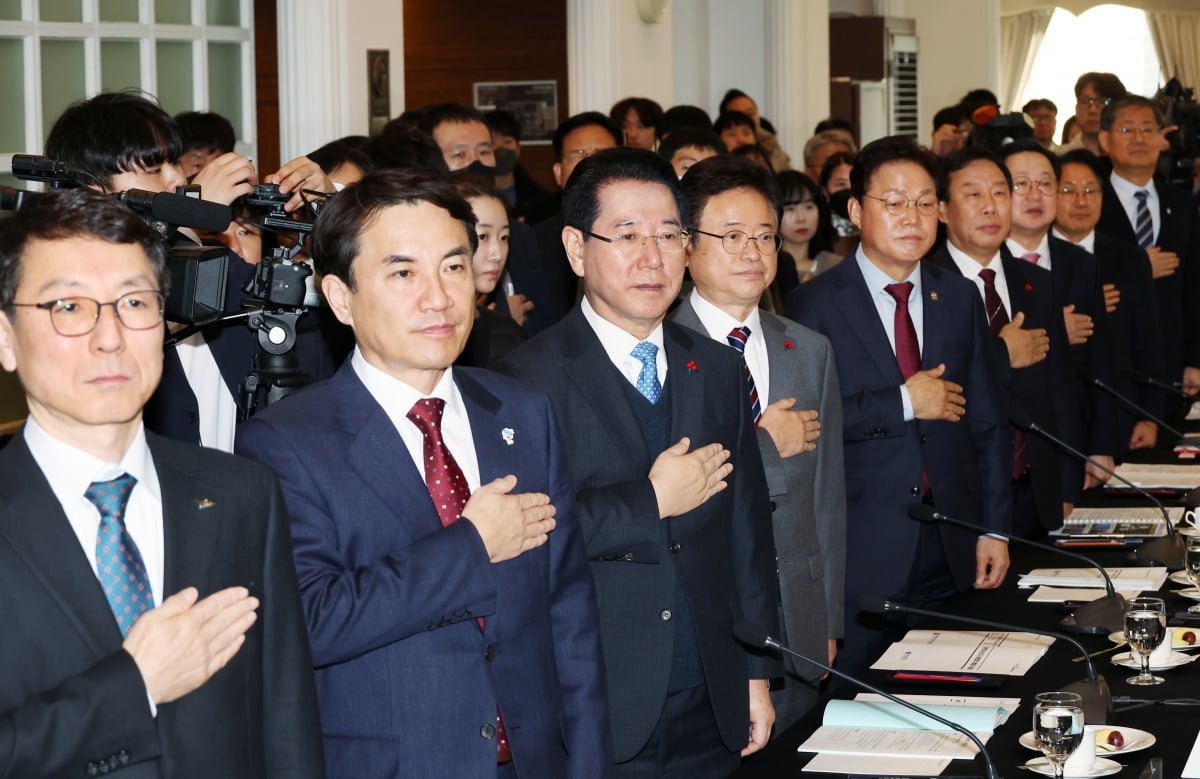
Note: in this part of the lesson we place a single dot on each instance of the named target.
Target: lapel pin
(507, 435)
(1168, 212)
(933, 295)
(204, 503)
(1028, 286)
(788, 345)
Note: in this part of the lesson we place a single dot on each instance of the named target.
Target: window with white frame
(192, 55)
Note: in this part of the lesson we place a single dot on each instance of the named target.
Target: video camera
(1178, 106)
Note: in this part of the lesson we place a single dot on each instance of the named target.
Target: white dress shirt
(397, 398)
(618, 345)
(1126, 192)
(970, 268)
(1043, 252)
(1088, 243)
(885, 306)
(718, 324)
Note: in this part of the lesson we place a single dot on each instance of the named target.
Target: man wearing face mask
(530, 202)
(462, 134)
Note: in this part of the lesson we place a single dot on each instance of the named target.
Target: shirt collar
(1019, 251)
(617, 343)
(717, 322)
(70, 470)
(1088, 241)
(1126, 189)
(877, 280)
(398, 397)
(969, 266)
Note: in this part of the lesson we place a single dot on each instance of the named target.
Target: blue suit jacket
(969, 462)
(407, 682)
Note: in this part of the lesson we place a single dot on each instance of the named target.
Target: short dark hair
(1040, 102)
(649, 112)
(1107, 85)
(470, 186)
(834, 123)
(585, 119)
(831, 162)
(730, 96)
(351, 148)
(581, 196)
(401, 145)
(1128, 100)
(205, 130)
(684, 137)
(794, 188)
(960, 159)
(680, 116)
(62, 214)
(436, 115)
(891, 148)
(729, 119)
(709, 178)
(954, 115)
(1030, 145)
(339, 227)
(1085, 157)
(504, 123)
(111, 133)
(979, 97)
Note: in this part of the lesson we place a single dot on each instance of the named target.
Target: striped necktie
(1144, 229)
(737, 338)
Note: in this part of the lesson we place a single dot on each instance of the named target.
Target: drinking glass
(1191, 565)
(1145, 628)
(1058, 726)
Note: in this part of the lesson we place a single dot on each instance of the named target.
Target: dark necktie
(737, 338)
(118, 562)
(1144, 229)
(908, 348)
(449, 490)
(997, 319)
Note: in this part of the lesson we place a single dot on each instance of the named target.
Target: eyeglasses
(71, 317)
(1076, 192)
(1094, 101)
(897, 205)
(735, 241)
(1146, 132)
(1024, 186)
(629, 244)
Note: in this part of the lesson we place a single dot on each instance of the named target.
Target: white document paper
(1191, 769)
(1148, 578)
(877, 765)
(1006, 706)
(886, 741)
(1046, 594)
(1149, 476)
(965, 651)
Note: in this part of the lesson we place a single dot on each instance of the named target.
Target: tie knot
(738, 337)
(645, 352)
(1141, 195)
(1031, 257)
(900, 292)
(112, 495)
(989, 276)
(426, 414)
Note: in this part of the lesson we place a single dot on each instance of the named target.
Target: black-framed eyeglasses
(898, 204)
(1023, 186)
(629, 244)
(735, 241)
(74, 316)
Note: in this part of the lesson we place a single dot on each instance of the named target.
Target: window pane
(173, 11)
(10, 9)
(61, 11)
(224, 12)
(118, 10)
(120, 63)
(12, 95)
(174, 75)
(62, 78)
(225, 82)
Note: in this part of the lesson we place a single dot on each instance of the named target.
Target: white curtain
(1176, 39)
(1020, 38)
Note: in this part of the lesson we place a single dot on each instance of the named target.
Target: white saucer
(1102, 767)
(1180, 577)
(1126, 660)
(1135, 740)
(1189, 592)
(1119, 638)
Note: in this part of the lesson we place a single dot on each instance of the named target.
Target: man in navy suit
(921, 410)
(452, 617)
(670, 485)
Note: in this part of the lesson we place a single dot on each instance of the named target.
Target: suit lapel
(936, 318)
(687, 404)
(33, 523)
(192, 517)
(785, 369)
(490, 434)
(862, 319)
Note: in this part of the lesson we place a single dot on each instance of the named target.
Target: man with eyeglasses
(669, 483)
(1093, 91)
(135, 568)
(1161, 219)
(921, 416)
(1044, 114)
(975, 203)
(732, 256)
(1132, 306)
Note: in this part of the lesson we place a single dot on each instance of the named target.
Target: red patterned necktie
(118, 561)
(908, 348)
(449, 490)
(997, 319)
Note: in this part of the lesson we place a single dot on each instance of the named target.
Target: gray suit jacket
(808, 491)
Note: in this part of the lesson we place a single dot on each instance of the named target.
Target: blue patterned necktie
(737, 338)
(118, 562)
(647, 382)
(1144, 229)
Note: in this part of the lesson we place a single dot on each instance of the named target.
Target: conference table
(1175, 726)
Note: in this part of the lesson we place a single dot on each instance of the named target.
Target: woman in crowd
(638, 118)
(806, 228)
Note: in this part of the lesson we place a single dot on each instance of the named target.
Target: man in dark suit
(1161, 219)
(1131, 302)
(975, 204)
(669, 483)
(99, 521)
(732, 257)
(453, 633)
(922, 414)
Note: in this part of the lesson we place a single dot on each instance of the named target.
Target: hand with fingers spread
(1025, 346)
(509, 523)
(296, 176)
(226, 178)
(793, 430)
(683, 480)
(179, 645)
(934, 398)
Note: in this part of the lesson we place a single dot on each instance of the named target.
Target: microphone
(1097, 698)
(1168, 550)
(31, 168)
(1105, 615)
(1135, 408)
(1159, 384)
(752, 635)
(179, 210)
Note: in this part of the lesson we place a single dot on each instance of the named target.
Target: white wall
(959, 51)
(372, 24)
